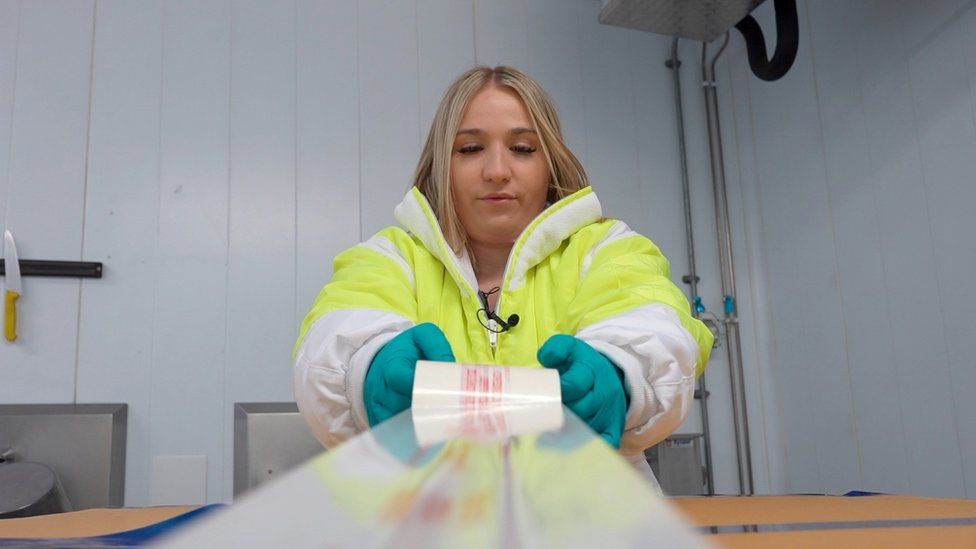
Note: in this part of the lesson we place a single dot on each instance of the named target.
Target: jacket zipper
(492, 335)
(493, 331)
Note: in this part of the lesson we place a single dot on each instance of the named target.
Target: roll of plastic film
(483, 402)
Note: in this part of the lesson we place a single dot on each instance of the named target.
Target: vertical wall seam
(295, 164)
(634, 113)
(972, 110)
(809, 399)
(969, 80)
(938, 283)
(582, 67)
(525, 32)
(474, 28)
(359, 115)
(84, 195)
(833, 242)
(227, 257)
(416, 40)
(579, 80)
(155, 251)
(774, 347)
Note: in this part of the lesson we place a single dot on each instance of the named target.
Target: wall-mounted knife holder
(37, 267)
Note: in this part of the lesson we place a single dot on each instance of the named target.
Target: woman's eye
(468, 149)
(524, 149)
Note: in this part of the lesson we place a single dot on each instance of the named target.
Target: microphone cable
(505, 325)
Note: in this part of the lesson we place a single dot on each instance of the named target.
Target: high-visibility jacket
(571, 271)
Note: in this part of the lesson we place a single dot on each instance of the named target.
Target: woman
(504, 257)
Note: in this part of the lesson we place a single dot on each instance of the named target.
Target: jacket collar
(541, 237)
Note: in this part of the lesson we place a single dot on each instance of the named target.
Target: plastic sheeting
(486, 458)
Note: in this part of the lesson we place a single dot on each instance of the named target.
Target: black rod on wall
(37, 267)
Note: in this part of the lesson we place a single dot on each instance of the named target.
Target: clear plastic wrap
(487, 457)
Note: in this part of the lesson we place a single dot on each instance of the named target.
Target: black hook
(787, 40)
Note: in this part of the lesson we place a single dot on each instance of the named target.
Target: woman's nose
(496, 169)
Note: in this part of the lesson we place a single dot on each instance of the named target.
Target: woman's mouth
(498, 198)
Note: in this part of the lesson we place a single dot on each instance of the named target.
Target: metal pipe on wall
(727, 270)
(691, 279)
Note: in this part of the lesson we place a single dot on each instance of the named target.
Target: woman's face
(499, 174)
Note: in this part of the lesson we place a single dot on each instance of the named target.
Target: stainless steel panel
(677, 464)
(270, 438)
(694, 19)
(83, 443)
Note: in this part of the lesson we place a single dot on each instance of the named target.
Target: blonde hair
(433, 174)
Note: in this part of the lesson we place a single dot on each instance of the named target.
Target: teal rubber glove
(388, 389)
(593, 388)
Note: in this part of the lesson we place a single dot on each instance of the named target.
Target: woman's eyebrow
(479, 131)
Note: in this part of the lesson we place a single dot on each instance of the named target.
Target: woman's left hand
(388, 388)
(592, 387)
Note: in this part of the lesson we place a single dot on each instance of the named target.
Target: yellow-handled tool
(12, 287)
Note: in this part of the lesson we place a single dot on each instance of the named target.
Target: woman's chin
(494, 239)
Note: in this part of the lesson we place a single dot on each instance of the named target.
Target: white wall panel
(966, 23)
(798, 452)
(46, 193)
(261, 260)
(445, 49)
(658, 154)
(389, 122)
(893, 88)
(327, 143)
(501, 32)
(261, 269)
(947, 141)
(821, 443)
(553, 59)
(116, 332)
(878, 412)
(610, 156)
(190, 328)
(907, 246)
(9, 29)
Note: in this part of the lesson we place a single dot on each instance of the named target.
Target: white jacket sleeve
(658, 357)
(331, 365)
(370, 299)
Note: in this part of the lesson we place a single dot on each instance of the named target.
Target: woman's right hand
(592, 386)
(388, 389)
